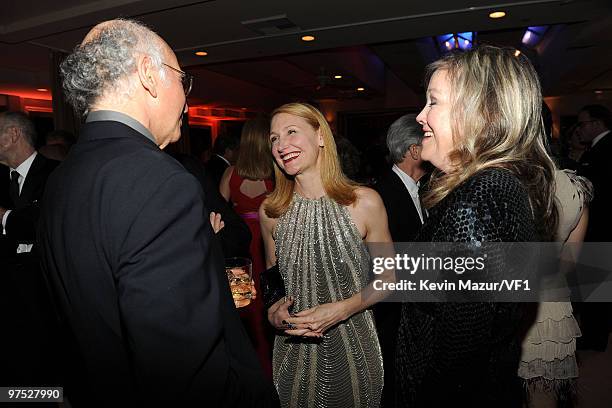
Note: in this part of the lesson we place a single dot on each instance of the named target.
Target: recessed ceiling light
(308, 38)
(42, 89)
(201, 53)
(360, 89)
(517, 53)
(598, 92)
(337, 76)
(497, 14)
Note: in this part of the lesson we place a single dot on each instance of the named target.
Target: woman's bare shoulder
(367, 199)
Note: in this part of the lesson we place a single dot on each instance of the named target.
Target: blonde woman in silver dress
(316, 226)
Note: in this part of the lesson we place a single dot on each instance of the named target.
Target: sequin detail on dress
(322, 259)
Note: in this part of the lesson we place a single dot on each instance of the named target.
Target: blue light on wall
(462, 41)
(533, 35)
(446, 41)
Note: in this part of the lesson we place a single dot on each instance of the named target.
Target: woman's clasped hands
(313, 322)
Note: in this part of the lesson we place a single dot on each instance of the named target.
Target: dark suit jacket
(216, 167)
(404, 225)
(404, 220)
(595, 165)
(21, 222)
(235, 236)
(30, 344)
(139, 279)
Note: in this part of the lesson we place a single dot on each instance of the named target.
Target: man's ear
(14, 134)
(146, 75)
(415, 151)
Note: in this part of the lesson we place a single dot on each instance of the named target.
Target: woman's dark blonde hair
(337, 186)
(496, 121)
(254, 159)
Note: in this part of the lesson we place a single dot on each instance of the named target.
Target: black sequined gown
(466, 354)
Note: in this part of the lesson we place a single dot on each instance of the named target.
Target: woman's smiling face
(295, 144)
(436, 121)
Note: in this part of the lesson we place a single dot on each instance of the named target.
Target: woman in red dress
(246, 185)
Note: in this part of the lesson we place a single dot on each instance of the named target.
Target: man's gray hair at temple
(102, 63)
(402, 134)
(22, 123)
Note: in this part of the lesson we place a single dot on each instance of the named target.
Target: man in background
(399, 190)
(399, 186)
(225, 154)
(23, 177)
(27, 357)
(57, 145)
(594, 124)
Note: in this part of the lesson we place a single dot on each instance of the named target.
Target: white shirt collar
(599, 137)
(24, 167)
(411, 185)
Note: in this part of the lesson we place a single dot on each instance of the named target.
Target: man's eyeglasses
(186, 79)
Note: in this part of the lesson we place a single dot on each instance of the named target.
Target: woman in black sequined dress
(494, 183)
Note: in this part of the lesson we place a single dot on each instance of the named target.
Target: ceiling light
(337, 76)
(42, 89)
(527, 36)
(598, 92)
(517, 53)
(201, 53)
(497, 14)
(360, 89)
(308, 38)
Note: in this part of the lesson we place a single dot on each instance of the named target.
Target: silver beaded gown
(323, 259)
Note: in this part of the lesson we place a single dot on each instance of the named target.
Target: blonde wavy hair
(254, 159)
(337, 186)
(496, 121)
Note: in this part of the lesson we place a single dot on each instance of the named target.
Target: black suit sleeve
(168, 293)
(21, 223)
(596, 167)
(235, 237)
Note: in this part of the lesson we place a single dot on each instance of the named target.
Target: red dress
(254, 316)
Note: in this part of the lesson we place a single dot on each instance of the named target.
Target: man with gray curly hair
(127, 247)
(399, 188)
